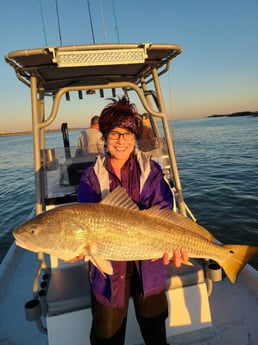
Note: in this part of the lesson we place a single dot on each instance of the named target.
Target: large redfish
(115, 229)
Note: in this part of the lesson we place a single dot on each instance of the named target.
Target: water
(218, 165)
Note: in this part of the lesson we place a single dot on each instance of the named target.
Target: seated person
(145, 139)
(90, 140)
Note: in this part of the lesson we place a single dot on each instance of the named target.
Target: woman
(144, 280)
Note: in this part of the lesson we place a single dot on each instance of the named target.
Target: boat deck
(236, 325)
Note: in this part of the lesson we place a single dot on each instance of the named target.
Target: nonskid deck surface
(234, 309)
(16, 290)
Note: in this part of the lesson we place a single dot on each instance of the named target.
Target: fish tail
(240, 255)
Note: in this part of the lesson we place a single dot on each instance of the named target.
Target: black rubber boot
(153, 329)
(117, 339)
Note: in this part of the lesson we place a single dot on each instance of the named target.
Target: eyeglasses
(128, 136)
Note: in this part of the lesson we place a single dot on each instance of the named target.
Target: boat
(46, 301)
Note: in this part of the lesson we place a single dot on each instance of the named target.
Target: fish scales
(133, 237)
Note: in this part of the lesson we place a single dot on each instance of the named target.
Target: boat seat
(187, 291)
(185, 275)
(68, 290)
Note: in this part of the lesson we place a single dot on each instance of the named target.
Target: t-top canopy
(58, 67)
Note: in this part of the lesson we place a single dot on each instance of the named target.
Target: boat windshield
(61, 169)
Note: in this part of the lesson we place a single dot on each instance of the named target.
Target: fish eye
(33, 232)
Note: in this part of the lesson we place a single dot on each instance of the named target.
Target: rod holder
(43, 302)
(214, 272)
(32, 310)
(45, 276)
(44, 285)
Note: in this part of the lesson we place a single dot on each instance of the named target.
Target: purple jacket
(144, 181)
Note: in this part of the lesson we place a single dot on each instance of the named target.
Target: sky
(217, 72)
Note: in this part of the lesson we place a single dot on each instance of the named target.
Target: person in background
(125, 166)
(146, 140)
(90, 140)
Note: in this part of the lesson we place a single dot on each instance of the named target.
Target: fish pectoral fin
(103, 265)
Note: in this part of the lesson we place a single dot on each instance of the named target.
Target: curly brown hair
(120, 113)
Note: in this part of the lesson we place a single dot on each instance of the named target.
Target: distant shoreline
(5, 134)
(241, 113)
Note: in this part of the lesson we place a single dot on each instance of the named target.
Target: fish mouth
(23, 245)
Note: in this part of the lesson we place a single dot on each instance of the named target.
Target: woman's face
(120, 143)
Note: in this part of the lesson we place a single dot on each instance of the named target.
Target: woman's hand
(179, 257)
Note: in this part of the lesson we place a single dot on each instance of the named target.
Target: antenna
(92, 31)
(114, 12)
(103, 21)
(43, 24)
(58, 21)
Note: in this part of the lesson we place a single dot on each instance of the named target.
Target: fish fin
(156, 211)
(179, 220)
(103, 265)
(119, 197)
(240, 255)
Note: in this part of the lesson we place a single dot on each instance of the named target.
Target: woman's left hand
(179, 257)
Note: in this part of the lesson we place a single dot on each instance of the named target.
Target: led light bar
(100, 57)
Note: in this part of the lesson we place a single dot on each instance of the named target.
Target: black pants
(109, 324)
